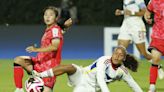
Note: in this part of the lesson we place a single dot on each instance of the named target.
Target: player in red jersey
(156, 47)
(49, 53)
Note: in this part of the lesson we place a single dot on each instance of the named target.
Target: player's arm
(65, 24)
(53, 47)
(147, 15)
(119, 12)
(131, 82)
(101, 75)
(140, 13)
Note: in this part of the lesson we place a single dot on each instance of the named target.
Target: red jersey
(53, 58)
(157, 7)
(46, 60)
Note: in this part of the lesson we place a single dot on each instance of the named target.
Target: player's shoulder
(104, 58)
(56, 27)
(140, 1)
(123, 69)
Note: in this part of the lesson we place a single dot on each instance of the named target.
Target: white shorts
(79, 82)
(133, 31)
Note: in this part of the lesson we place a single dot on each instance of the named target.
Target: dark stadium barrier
(81, 42)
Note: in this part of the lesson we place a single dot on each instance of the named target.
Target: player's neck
(49, 26)
(115, 66)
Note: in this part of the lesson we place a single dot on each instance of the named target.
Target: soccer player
(156, 47)
(133, 28)
(96, 76)
(49, 53)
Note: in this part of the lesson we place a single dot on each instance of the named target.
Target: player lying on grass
(96, 76)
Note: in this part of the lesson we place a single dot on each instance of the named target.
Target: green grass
(142, 78)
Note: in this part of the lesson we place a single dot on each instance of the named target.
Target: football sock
(153, 73)
(18, 75)
(152, 88)
(47, 73)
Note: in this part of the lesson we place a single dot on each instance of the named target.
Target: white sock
(47, 73)
(152, 87)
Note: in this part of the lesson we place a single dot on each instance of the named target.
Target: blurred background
(21, 25)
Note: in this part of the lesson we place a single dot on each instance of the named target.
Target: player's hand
(147, 17)
(118, 12)
(31, 49)
(68, 23)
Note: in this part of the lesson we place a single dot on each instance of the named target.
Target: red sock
(153, 74)
(18, 76)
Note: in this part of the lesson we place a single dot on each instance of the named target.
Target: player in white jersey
(96, 76)
(133, 28)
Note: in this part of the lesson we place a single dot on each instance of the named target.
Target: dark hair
(52, 8)
(131, 63)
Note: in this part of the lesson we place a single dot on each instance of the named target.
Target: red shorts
(157, 44)
(41, 66)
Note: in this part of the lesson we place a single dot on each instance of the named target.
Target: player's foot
(160, 72)
(152, 88)
(19, 90)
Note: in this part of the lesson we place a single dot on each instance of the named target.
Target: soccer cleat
(151, 91)
(160, 72)
(19, 90)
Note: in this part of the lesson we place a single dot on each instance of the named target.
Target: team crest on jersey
(107, 61)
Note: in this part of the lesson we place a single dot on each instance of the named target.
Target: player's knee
(156, 60)
(17, 60)
(47, 89)
(70, 69)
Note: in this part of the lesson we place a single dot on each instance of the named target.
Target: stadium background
(21, 25)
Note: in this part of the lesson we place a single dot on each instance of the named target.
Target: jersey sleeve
(141, 4)
(101, 66)
(131, 82)
(56, 33)
(150, 6)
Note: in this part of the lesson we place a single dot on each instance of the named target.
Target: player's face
(49, 17)
(118, 56)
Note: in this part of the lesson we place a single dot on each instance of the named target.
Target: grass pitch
(142, 78)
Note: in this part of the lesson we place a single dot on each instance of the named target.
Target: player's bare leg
(124, 43)
(47, 89)
(25, 62)
(61, 69)
(56, 71)
(156, 57)
(141, 48)
(20, 63)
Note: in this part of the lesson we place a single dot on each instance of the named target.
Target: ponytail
(131, 63)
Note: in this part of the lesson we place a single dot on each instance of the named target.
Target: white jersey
(101, 72)
(133, 27)
(133, 6)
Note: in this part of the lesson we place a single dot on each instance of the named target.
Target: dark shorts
(157, 44)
